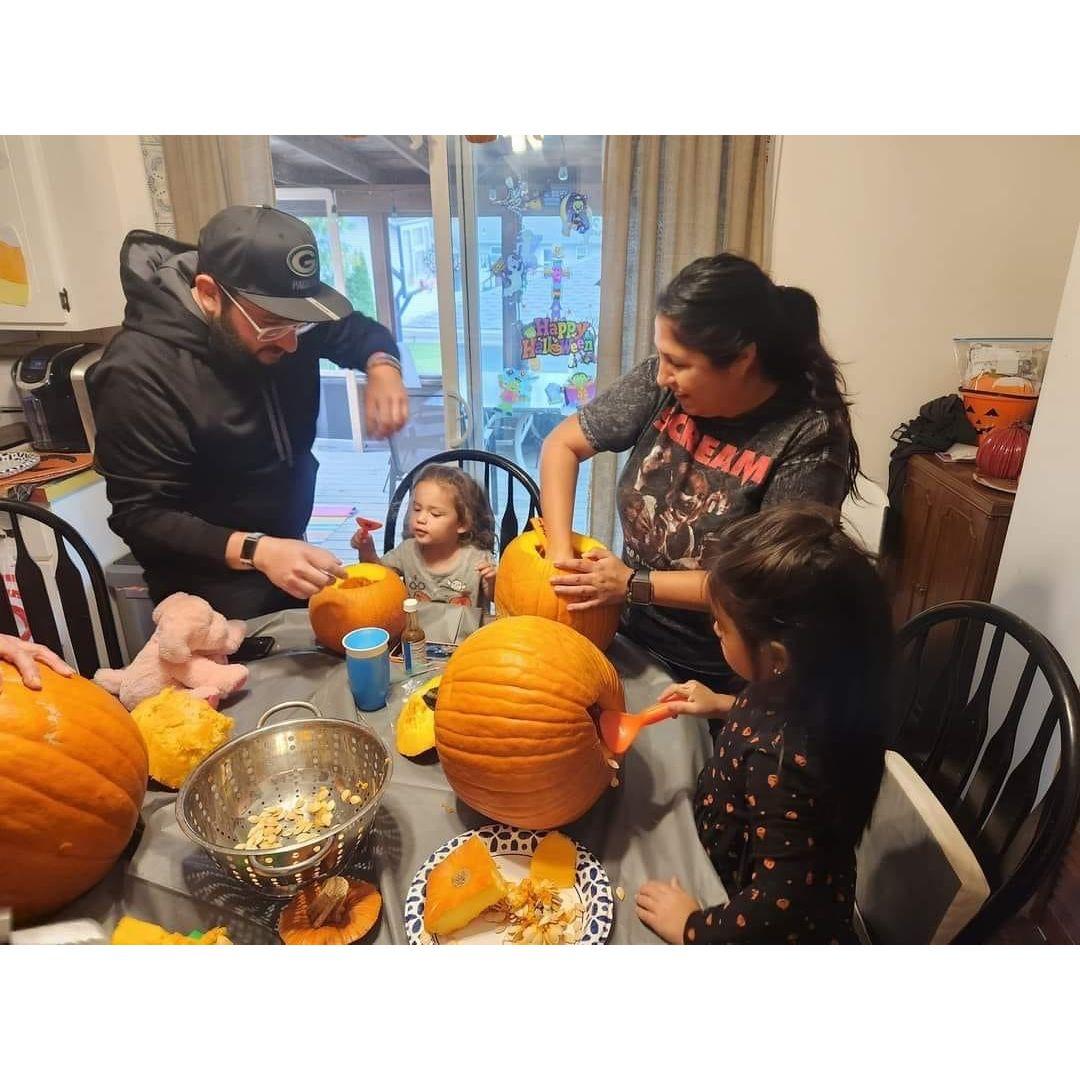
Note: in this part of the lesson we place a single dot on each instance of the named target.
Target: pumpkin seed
(620, 893)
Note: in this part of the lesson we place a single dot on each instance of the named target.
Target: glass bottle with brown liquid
(413, 639)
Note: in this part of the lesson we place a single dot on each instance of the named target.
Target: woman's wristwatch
(639, 588)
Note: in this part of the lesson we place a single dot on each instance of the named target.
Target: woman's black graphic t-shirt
(687, 477)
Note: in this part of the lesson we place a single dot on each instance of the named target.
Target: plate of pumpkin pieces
(499, 885)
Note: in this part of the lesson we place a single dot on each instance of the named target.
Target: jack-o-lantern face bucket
(986, 411)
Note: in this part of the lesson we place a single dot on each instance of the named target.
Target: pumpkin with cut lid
(523, 586)
(368, 595)
(515, 722)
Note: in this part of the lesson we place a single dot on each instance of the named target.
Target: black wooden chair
(980, 698)
(508, 523)
(60, 614)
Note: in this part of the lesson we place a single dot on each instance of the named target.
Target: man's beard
(224, 342)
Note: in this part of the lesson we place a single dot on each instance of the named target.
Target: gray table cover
(642, 829)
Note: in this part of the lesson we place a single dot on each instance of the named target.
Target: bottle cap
(411, 605)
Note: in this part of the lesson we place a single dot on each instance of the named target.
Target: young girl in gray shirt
(448, 558)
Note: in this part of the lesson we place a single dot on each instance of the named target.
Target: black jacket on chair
(194, 445)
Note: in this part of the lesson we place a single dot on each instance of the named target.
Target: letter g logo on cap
(303, 260)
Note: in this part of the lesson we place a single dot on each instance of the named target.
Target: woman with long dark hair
(740, 392)
(802, 616)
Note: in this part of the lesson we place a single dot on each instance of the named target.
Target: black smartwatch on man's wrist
(247, 548)
(639, 588)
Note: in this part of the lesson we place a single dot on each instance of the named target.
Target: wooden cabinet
(66, 204)
(950, 538)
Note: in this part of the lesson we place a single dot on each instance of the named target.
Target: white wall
(908, 242)
(1039, 575)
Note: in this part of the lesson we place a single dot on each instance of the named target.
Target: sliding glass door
(484, 262)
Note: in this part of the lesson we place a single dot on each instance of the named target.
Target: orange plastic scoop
(620, 729)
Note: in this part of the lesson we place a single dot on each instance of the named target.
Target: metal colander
(273, 766)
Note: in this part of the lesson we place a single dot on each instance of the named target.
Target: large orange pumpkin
(370, 595)
(514, 722)
(523, 587)
(73, 770)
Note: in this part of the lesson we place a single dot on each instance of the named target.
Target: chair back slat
(993, 769)
(946, 706)
(965, 734)
(509, 528)
(945, 727)
(59, 612)
(1018, 796)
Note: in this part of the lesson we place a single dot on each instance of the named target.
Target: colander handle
(292, 868)
(286, 705)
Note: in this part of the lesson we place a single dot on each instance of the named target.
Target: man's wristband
(375, 359)
(247, 548)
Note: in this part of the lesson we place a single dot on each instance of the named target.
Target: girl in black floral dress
(802, 616)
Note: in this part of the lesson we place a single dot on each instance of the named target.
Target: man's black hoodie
(193, 445)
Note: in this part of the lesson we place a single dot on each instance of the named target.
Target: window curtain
(206, 173)
(668, 199)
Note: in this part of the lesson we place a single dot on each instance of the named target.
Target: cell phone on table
(253, 648)
(436, 650)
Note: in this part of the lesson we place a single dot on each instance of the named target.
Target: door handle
(463, 411)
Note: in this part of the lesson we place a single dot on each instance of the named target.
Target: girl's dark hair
(470, 502)
(791, 575)
(720, 304)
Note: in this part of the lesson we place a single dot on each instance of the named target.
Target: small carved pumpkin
(369, 595)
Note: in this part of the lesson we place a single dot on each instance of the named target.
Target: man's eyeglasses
(268, 333)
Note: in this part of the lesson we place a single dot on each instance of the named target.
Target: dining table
(640, 830)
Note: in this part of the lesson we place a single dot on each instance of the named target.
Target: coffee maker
(50, 382)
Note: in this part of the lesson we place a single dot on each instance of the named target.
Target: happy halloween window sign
(559, 337)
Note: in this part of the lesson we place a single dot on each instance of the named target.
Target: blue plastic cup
(367, 659)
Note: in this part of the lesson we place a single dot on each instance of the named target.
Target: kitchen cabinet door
(30, 281)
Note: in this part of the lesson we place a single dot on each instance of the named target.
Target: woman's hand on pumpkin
(26, 655)
(664, 907)
(295, 567)
(598, 579)
(695, 699)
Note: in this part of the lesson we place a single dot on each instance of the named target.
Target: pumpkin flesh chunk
(466, 883)
(555, 860)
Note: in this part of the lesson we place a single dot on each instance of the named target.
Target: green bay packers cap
(270, 258)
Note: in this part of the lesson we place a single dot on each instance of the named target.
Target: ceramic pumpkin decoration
(523, 587)
(514, 722)
(73, 770)
(987, 410)
(1001, 452)
(369, 595)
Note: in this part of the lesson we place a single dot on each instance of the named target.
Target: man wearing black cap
(206, 401)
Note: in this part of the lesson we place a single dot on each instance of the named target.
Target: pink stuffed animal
(188, 649)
